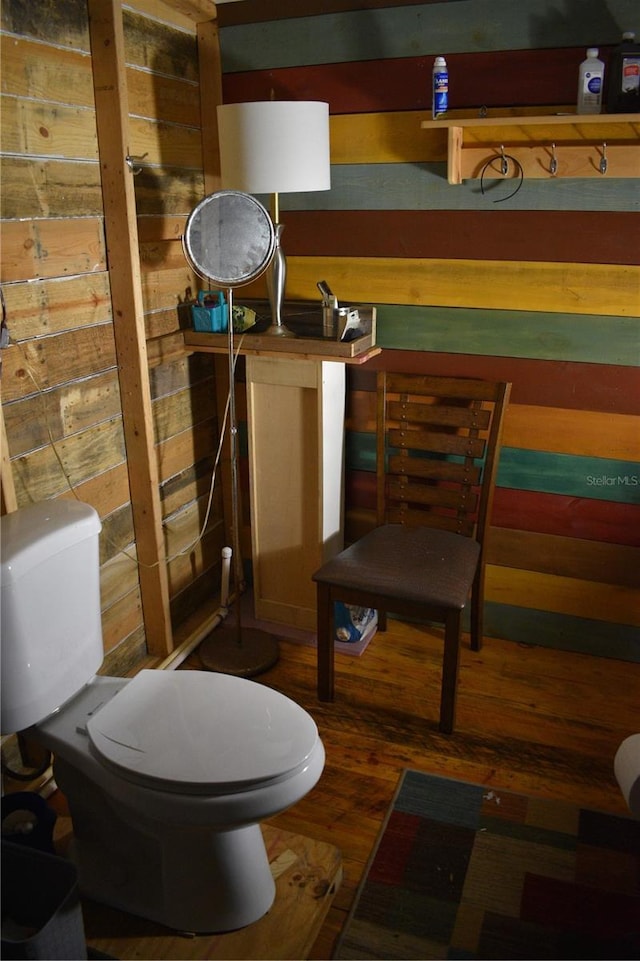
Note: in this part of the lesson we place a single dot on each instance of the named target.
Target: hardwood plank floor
(530, 719)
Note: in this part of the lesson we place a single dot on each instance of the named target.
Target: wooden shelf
(305, 320)
(580, 142)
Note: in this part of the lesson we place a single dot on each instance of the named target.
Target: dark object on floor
(41, 914)
(467, 871)
(28, 820)
(437, 447)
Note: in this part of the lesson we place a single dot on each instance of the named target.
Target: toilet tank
(51, 630)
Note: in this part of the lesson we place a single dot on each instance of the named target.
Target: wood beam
(112, 114)
(7, 488)
(210, 96)
(179, 12)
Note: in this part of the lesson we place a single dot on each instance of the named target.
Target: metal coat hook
(132, 162)
(553, 164)
(603, 159)
(504, 170)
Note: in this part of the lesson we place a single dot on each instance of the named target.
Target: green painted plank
(424, 186)
(562, 632)
(585, 338)
(466, 27)
(598, 478)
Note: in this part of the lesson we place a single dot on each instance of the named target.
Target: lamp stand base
(279, 330)
(254, 652)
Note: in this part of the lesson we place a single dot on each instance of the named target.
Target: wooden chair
(438, 442)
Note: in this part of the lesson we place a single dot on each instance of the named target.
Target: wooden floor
(530, 719)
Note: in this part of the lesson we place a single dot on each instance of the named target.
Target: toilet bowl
(167, 774)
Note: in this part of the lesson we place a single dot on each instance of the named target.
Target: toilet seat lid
(201, 732)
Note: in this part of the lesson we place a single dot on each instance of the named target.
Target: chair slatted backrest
(437, 444)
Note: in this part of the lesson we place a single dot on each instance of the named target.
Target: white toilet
(167, 774)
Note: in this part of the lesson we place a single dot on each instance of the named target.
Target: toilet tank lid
(36, 533)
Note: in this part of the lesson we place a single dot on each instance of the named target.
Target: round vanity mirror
(229, 238)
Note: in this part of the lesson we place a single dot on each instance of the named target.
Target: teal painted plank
(469, 26)
(424, 186)
(360, 450)
(562, 632)
(597, 478)
(585, 338)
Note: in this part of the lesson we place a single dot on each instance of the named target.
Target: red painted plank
(547, 383)
(583, 518)
(586, 237)
(504, 78)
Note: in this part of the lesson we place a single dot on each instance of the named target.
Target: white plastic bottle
(590, 83)
(440, 88)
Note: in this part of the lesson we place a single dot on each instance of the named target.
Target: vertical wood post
(9, 500)
(121, 230)
(210, 73)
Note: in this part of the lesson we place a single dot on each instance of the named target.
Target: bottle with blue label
(440, 90)
(590, 83)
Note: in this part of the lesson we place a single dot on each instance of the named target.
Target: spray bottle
(440, 88)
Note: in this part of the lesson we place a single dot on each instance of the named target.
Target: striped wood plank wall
(542, 290)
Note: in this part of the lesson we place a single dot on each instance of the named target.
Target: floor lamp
(229, 241)
(273, 147)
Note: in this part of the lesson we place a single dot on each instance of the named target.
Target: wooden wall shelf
(580, 142)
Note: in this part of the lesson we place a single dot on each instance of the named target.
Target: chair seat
(422, 565)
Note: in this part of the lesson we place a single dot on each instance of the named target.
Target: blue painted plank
(562, 632)
(431, 29)
(585, 338)
(424, 186)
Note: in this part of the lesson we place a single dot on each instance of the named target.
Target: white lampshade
(275, 146)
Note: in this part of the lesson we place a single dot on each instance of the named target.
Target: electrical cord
(504, 170)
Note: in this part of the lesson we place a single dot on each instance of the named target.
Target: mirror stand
(229, 241)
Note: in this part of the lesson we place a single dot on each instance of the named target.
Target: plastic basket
(211, 313)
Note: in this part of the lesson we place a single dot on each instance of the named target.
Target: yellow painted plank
(563, 595)
(583, 432)
(391, 137)
(518, 285)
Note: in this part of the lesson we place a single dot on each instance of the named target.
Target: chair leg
(382, 621)
(450, 663)
(325, 648)
(477, 609)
